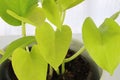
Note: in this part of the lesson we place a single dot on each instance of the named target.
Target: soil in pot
(77, 69)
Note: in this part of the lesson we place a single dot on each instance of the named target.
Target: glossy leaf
(21, 42)
(53, 45)
(52, 12)
(20, 7)
(66, 4)
(35, 16)
(103, 43)
(29, 65)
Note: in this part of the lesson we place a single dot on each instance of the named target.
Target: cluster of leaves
(52, 45)
(102, 43)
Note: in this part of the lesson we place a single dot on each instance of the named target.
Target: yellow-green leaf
(67, 4)
(53, 45)
(29, 66)
(103, 43)
(21, 42)
(52, 12)
(35, 16)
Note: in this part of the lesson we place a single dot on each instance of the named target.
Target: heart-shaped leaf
(103, 43)
(35, 16)
(29, 66)
(21, 42)
(66, 4)
(53, 45)
(52, 12)
(20, 7)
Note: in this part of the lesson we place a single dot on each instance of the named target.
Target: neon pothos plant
(52, 44)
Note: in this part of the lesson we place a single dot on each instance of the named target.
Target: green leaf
(52, 12)
(103, 43)
(114, 16)
(20, 7)
(35, 16)
(29, 65)
(21, 42)
(67, 4)
(53, 45)
(5, 16)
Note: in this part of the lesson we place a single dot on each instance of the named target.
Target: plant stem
(23, 29)
(75, 55)
(63, 68)
(58, 71)
(63, 16)
(24, 33)
(50, 71)
(1, 52)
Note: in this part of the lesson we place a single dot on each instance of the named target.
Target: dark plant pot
(83, 65)
(6, 71)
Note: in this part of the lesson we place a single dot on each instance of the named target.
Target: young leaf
(53, 45)
(52, 12)
(22, 42)
(35, 16)
(29, 65)
(66, 4)
(20, 7)
(103, 43)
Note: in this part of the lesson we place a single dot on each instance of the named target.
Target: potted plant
(47, 58)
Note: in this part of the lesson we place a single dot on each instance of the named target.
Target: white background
(97, 9)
